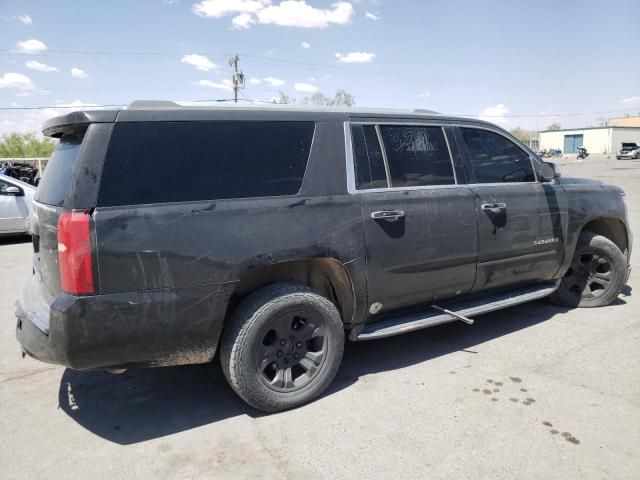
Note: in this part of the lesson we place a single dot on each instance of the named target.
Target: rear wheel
(282, 347)
(596, 275)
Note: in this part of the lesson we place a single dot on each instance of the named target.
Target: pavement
(535, 392)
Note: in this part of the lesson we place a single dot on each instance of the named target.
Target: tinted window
(156, 162)
(496, 159)
(3, 186)
(57, 177)
(368, 159)
(417, 156)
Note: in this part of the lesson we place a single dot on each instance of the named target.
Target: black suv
(164, 234)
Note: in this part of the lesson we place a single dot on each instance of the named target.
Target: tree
(341, 98)
(25, 145)
(283, 98)
(344, 98)
(522, 135)
(554, 126)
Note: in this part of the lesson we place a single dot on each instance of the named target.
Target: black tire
(278, 328)
(596, 276)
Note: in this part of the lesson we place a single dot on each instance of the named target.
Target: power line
(104, 54)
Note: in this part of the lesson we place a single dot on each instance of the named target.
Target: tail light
(74, 253)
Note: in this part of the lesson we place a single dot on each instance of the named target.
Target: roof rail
(430, 112)
(149, 104)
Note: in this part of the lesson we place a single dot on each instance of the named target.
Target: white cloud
(305, 45)
(297, 13)
(31, 46)
(220, 8)
(41, 67)
(274, 82)
(305, 87)
(16, 80)
(287, 13)
(78, 73)
(26, 19)
(77, 103)
(170, 2)
(372, 16)
(423, 95)
(199, 61)
(631, 100)
(355, 57)
(495, 114)
(244, 20)
(225, 85)
(255, 81)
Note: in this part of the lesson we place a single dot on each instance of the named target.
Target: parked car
(16, 198)
(628, 151)
(24, 172)
(301, 228)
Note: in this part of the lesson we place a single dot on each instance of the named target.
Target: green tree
(25, 145)
(554, 126)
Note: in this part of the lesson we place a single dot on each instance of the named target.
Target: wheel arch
(326, 275)
(611, 228)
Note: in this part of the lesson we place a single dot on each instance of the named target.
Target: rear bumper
(153, 328)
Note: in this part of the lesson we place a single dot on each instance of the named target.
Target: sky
(516, 63)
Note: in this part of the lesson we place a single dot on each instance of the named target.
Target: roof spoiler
(56, 126)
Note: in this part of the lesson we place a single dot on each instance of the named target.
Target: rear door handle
(388, 215)
(494, 207)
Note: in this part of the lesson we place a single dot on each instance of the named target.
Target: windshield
(59, 172)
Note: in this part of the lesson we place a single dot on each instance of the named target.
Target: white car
(16, 198)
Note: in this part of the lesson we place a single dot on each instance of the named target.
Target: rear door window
(158, 162)
(496, 159)
(369, 162)
(417, 156)
(58, 175)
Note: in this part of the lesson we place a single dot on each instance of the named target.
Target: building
(628, 121)
(607, 139)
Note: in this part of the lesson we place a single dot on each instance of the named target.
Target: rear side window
(158, 162)
(417, 156)
(368, 158)
(58, 175)
(496, 159)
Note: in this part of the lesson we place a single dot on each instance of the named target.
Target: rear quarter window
(58, 175)
(160, 162)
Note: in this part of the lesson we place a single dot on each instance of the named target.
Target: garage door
(572, 142)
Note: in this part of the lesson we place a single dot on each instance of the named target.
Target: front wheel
(282, 347)
(596, 276)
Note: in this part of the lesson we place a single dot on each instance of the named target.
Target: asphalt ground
(535, 391)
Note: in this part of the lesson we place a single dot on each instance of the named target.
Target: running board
(409, 323)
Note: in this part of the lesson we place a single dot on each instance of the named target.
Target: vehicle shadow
(144, 404)
(14, 239)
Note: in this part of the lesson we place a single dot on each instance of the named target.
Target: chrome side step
(408, 323)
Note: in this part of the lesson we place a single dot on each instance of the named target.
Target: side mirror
(14, 191)
(549, 171)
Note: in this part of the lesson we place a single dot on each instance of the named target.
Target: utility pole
(238, 77)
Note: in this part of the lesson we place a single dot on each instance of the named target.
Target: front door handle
(494, 207)
(388, 215)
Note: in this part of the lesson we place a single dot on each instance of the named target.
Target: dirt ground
(535, 391)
